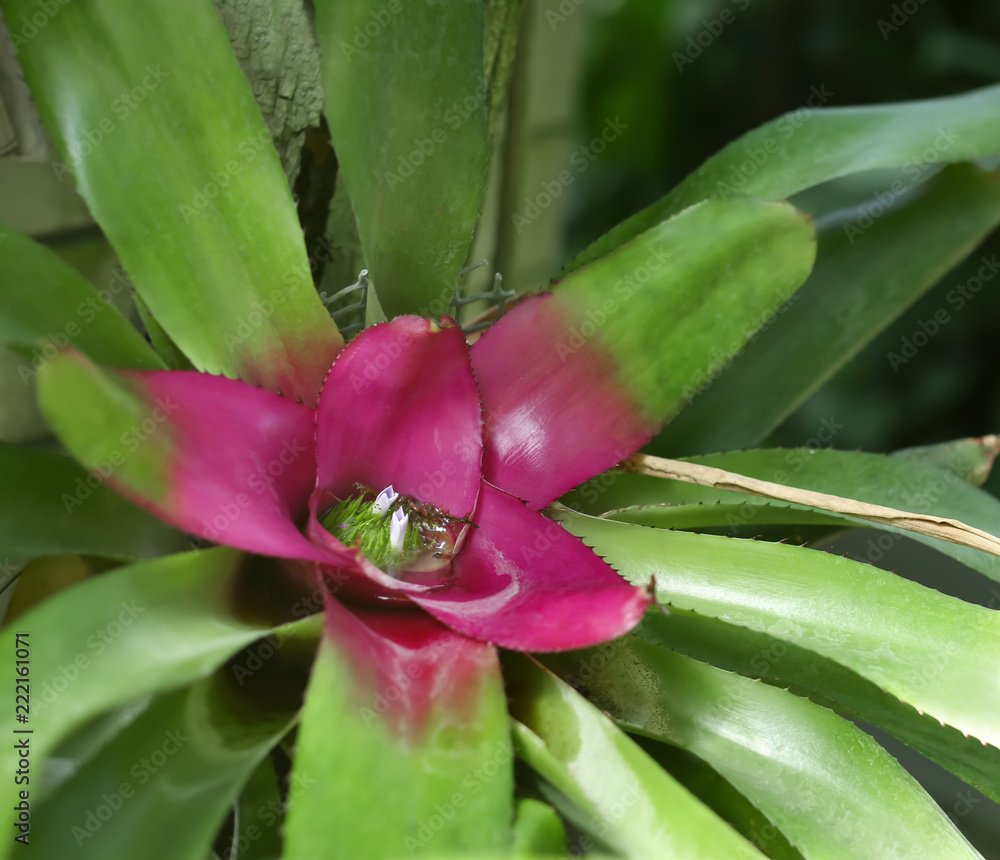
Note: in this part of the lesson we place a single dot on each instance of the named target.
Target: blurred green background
(765, 62)
(762, 64)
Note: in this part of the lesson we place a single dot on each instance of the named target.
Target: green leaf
(86, 743)
(719, 795)
(711, 275)
(165, 348)
(418, 732)
(414, 159)
(47, 307)
(115, 638)
(860, 285)
(168, 780)
(502, 21)
(754, 512)
(926, 649)
(814, 145)
(880, 480)
(99, 416)
(828, 786)
(969, 459)
(151, 112)
(260, 817)
(50, 505)
(537, 827)
(776, 659)
(608, 787)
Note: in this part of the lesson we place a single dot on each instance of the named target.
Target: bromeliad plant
(326, 681)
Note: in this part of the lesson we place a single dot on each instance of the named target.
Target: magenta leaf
(556, 410)
(523, 582)
(400, 407)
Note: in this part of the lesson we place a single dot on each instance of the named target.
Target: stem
(943, 528)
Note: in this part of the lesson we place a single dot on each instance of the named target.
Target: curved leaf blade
(766, 655)
(743, 255)
(414, 159)
(823, 782)
(879, 480)
(694, 515)
(48, 307)
(901, 636)
(970, 459)
(606, 785)
(133, 631)
(413, 718)
(814, 145)
(538, 827)
(168, 779)
(170, 152)
(50, 505)
(860, 284)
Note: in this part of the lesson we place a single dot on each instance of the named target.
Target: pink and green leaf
(523, 582)
(400, 407)
(651, 322)
(553, 417)
(413, 719)
(202, 218)
(215, 457)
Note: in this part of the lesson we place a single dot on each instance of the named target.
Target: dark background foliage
(765, 62)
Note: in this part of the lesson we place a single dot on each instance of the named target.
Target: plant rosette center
(398, 534)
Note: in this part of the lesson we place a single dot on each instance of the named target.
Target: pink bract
(489, 436)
